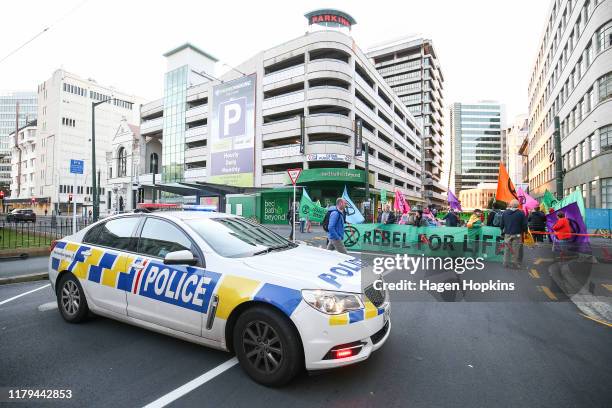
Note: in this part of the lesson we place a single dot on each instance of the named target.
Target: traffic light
(69, 198)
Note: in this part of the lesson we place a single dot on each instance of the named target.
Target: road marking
(193, 384)
(596, 320)
(534, 274)
(540, 260)
(23, 294)
(47, 306)
(607, 286)
(548, 292)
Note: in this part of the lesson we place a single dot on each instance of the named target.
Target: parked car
(21, 216)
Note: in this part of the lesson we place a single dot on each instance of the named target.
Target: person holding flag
(453, 201)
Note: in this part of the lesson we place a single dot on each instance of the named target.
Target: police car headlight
(332, 302)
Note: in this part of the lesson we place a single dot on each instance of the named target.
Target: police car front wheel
(267, 346)
(71, 299)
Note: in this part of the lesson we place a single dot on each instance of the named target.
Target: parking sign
(76, 166)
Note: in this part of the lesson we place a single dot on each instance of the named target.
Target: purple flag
(453, 202)
(578, 243)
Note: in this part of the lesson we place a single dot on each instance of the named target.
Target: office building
(8, 125)
(64, 130)
(571, 83)
(412, 69)
(515, 135)
(477, 143)
(23, 166)
(479, 197)
(312, 102)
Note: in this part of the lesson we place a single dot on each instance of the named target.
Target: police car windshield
(236, 237)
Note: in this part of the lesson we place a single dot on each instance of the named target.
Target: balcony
(283, 100)
(284, 74)
(192, 113)
(196, 134)
(196, 154)
(151, 126)
(277, 152)
(198, 174)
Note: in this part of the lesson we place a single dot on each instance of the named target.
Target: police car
(226, 282)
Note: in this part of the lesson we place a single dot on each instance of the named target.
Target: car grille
(377, 297)
(379, 335)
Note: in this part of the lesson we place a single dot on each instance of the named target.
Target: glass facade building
(478, 143)
(173, 142)
(27, 112)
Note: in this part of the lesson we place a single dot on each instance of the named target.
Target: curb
(24, 252)
(24, 278)
(591, 306)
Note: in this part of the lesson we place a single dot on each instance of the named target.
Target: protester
(387, 216)
(495, 216)
(308, 224)
(537, 223)
(335, 234)
(418, 219)
(513, 225)
(404, 219)
(290, 220)
(451, 218)
(302, 223)
(563, 231)
(474, 225)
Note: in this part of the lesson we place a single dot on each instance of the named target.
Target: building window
(605, 138)
(605, 87)
(121, 162)
(604, 36)
(606, 193)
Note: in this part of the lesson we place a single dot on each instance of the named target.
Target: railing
(15, 235)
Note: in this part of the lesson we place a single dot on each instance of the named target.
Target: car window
(159, 237)
(115, 233)
(235, 237)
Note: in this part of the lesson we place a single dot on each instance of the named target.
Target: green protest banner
(455, 242)
(548, 200)
(574, 197)
(383, 196)
(315, 212)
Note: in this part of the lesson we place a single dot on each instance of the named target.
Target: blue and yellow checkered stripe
(369, 312)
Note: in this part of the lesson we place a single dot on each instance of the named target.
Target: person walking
(513, 225)
(451, 219)
(335, 228)
(308, 224)
(537, 223)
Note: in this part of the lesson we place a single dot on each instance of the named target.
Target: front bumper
(320, 334)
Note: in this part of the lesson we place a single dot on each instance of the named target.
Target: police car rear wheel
(267, 346)
(71, 299)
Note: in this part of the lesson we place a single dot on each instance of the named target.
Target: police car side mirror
(183, 257)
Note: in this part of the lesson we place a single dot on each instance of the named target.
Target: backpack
(325, 223)
(497, 219)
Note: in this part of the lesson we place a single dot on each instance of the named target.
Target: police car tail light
(344, 351)
(333, 303)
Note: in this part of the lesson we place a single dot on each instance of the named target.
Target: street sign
(76, 166)
(294, 174)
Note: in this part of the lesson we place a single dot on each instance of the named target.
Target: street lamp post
(96, 196)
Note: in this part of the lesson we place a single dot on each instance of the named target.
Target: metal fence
(39, 234)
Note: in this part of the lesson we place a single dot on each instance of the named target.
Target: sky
(486, 48)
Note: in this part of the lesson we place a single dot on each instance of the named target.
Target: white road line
(23, 294)
(193, 384)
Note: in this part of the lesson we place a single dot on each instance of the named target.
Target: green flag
(308, 208)
(574, 197)
(548, 200)
(383, 196)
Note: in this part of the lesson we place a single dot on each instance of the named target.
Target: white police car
(225, 282)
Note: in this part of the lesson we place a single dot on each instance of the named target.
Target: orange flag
(505, 188)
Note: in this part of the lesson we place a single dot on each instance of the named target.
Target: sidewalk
(317, 237)
(23, 270)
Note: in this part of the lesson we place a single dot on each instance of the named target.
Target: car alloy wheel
(262, 347)
(71, 298)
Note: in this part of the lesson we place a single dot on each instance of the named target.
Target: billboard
(232, 133)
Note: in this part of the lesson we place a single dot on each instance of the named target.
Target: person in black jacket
(451, 219)
(513, 225)
(537, 222)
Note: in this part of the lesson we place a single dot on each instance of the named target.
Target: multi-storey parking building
(572, 81)
(321, 82)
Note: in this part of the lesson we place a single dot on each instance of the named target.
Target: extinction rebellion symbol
(351, 236)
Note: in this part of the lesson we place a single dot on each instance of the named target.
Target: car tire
(267, 346)
(71, 299)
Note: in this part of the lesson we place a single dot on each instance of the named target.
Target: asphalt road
(528, 351)
(17, 267)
